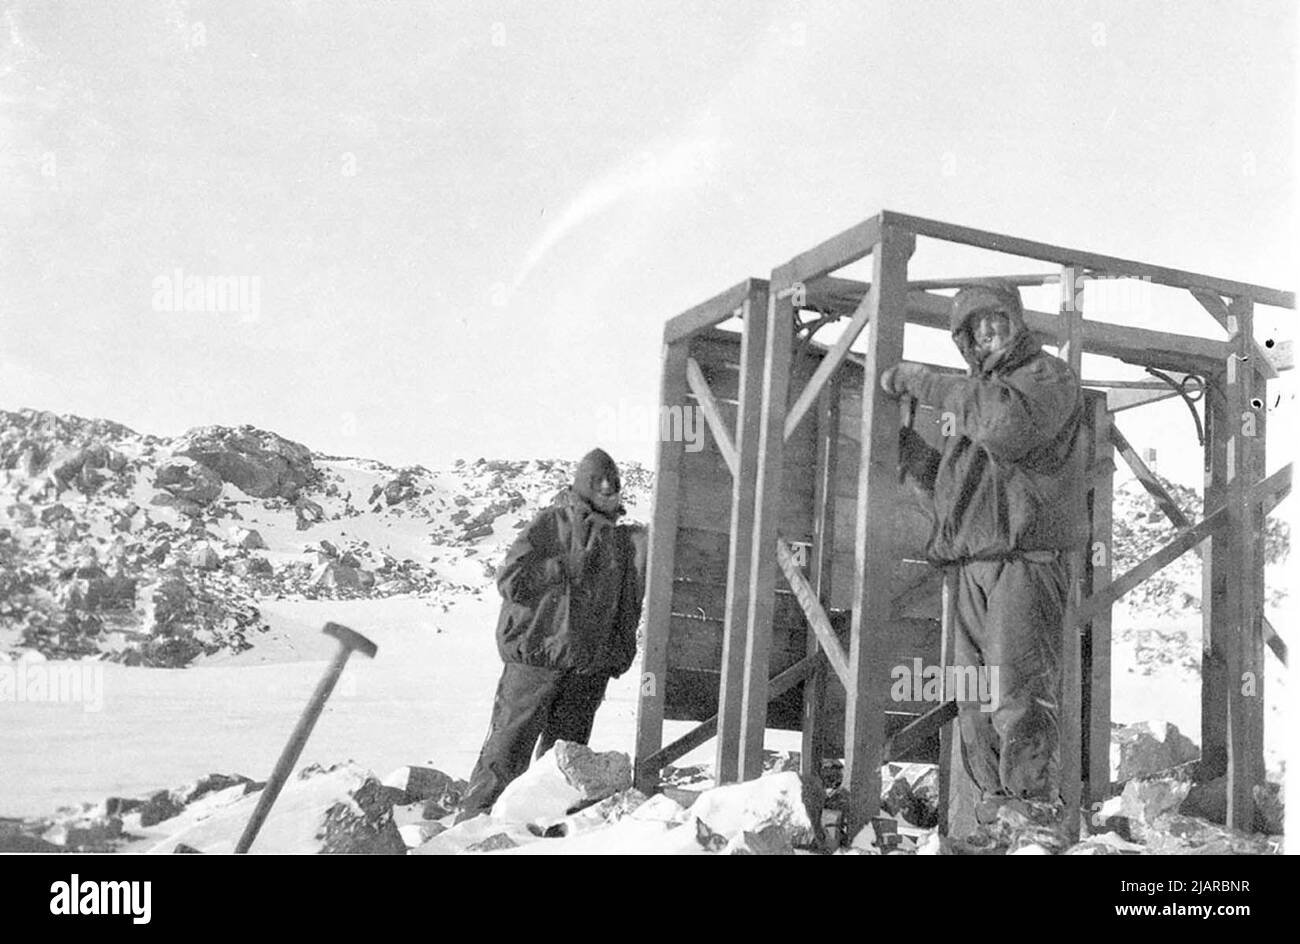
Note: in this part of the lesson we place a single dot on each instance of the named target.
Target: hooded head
(598, 483)
(988, 323)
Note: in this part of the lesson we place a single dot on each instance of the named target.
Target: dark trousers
(1010, 615)
(533, 706)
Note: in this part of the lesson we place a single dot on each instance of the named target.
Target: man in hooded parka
(1009, 501)
(571, 602)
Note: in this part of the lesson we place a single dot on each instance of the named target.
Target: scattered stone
(161, 806)
(1144, 800)
(204, 557)
(770, 840)
(421, 783)
(249, 539)
(566, 777)
(493, 843)
(1147, 748)
(776, 799)
(188, 482)
(1176, 834)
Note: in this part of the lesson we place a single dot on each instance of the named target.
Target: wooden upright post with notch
(875, 550)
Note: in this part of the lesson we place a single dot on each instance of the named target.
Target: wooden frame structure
(771, 406)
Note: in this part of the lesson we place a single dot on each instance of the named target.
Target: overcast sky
(467, 222)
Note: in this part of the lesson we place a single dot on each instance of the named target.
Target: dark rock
(214, 783)
(258, 462)
(1149, 747)
(183, 849)
(205, 558)
(492, 843)
(55, 513)
(109, 593)
(364, 826)
(193, 483)
(160, 806)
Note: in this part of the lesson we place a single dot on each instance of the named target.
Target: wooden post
(1216, 631)
(1245, 651)
(1071, 705)
(753, 346)
(814, 690)
(767, 506)
(659, 571)
(875, 543)
(1099, 630)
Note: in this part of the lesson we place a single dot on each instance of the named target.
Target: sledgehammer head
(351, 639)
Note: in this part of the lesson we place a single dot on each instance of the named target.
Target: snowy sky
(467, 222)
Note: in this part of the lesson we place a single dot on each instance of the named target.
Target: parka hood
(977, 298)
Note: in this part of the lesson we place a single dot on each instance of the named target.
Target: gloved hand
(897, 380)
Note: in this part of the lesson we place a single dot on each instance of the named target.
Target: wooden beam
(1097, 665)
(923, 727)
(920, 588)
(779, 685)
(840, 250)
(1164, 501)
(1071, 326)
(1245, 675)
(812, 608)
(712, 415)
(1275, 642)
(829, 365)
(1215, 305)
(753, 344)
(1119, 399)
(875, 542)
(1132, 345)
(813, 741)
(1097, 262)
(767, 507)
(1216, 631)
(659, 567)
(717, 309)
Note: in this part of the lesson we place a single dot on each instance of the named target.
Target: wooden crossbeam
(830, 363)
(838, 251)
(1274, 641)
(923, 727)
(1216, 306)
(717, 309)
(1110, 265)
(1154, 488)
(712, 415)
(1122, 584)
(777, 686)
(920, 588)
(1268, 492)
(812, 609)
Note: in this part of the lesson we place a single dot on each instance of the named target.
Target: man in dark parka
(571, 601)
(1009, 500)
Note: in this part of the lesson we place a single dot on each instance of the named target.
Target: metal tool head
(351, 639)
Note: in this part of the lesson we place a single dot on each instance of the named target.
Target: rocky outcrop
(258, 462)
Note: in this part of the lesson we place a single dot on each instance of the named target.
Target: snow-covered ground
(425, 698)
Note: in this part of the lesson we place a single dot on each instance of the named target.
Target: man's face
(990, 332)
(608, 496)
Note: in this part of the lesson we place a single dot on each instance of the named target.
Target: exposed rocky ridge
(157, 551)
